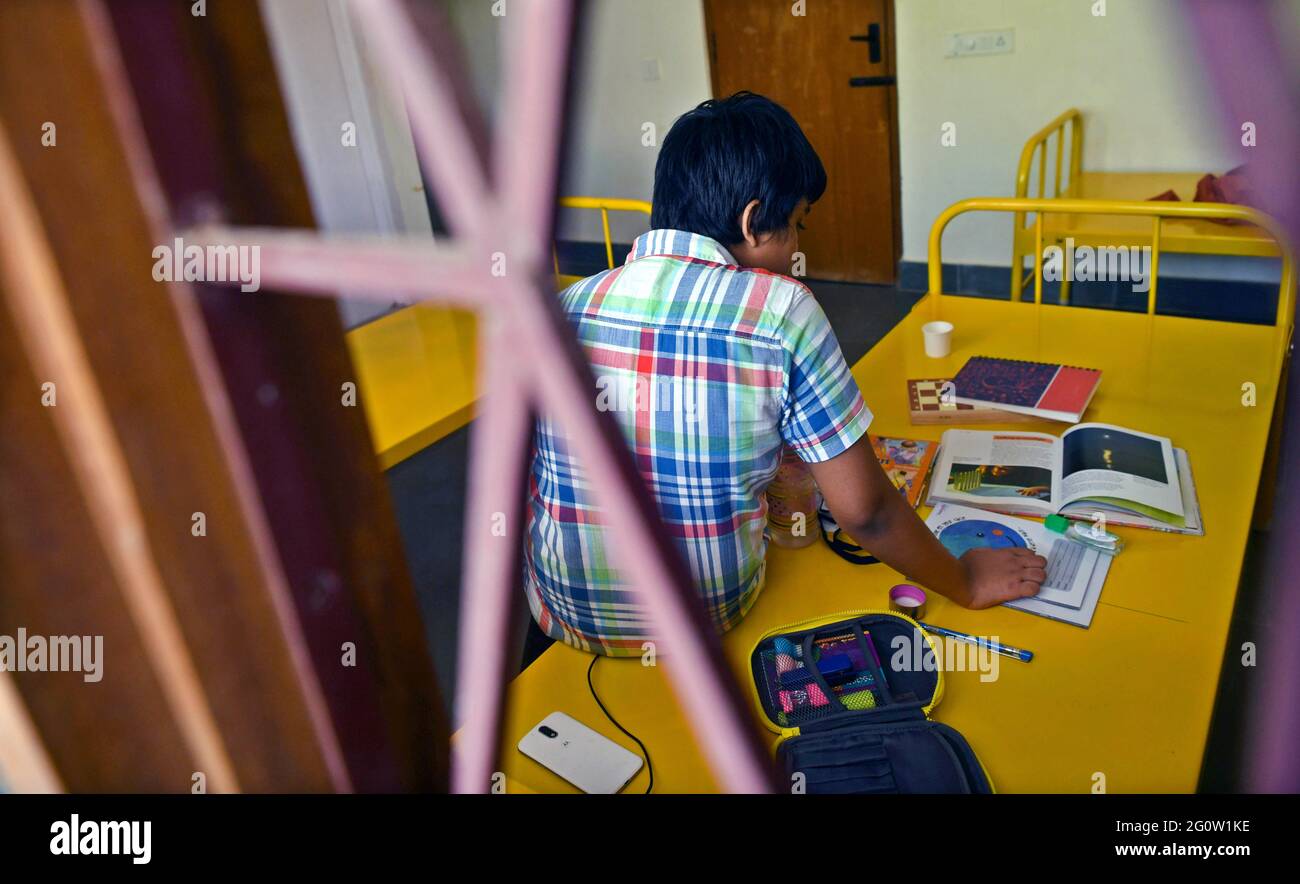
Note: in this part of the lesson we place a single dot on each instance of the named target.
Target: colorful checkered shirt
(709, 368)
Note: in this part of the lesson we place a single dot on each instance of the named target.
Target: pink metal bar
(1242, 45)
(430, 87)
(494, 520)
(536, 48)
(534, 100)
(502, 435)
(366, 267)
(547, 344)
(22, 754)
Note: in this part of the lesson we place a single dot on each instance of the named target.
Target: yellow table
(1130, 698)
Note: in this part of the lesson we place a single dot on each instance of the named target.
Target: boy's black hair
(726, 152)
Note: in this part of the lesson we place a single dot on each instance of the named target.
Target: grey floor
(428, 491)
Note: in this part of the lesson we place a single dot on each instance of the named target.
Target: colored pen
(996, 647)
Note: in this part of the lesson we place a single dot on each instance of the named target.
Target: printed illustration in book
(906, 462)
(1130, 478)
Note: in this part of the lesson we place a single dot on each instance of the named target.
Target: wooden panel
(56, 582)
(805, 63)
(133, 342)
(325, 496)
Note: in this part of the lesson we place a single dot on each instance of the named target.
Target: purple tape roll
(907, 599)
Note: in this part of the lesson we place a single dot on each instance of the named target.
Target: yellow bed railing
(1037, 145)
(1063, 137)
(1155, 210)
(604, 205)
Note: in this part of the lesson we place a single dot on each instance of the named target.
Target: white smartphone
(594, 763)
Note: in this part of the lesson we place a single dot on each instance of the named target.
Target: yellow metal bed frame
(604, 205)
(1155, 213)
(1189, 233)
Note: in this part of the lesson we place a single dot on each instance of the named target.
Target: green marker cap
(1057, 523)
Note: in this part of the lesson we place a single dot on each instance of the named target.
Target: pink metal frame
(530, 362)
(1227, 34)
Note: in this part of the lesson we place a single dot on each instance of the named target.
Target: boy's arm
(872, 511)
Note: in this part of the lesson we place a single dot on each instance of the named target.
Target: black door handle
(872, 39)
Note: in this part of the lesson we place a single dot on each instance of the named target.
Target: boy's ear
(746, 224)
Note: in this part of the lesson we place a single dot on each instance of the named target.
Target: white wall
(616, 99)
(328, 78)
(621, 39)
(1145, 100)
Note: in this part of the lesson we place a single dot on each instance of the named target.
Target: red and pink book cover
(1049, 390)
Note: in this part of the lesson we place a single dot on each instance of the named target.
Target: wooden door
(833, 68)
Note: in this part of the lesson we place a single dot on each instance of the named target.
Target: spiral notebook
(1042, 389)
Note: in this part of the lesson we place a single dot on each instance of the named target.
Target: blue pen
(996, 647)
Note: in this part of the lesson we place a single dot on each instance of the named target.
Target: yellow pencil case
(850, 694)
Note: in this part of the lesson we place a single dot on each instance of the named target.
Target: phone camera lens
(548, 732)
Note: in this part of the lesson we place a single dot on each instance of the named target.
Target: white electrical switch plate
(981, 43)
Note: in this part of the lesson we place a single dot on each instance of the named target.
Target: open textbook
(1130, 478)
(1075, 572)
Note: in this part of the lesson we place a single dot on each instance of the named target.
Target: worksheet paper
(1075, 573)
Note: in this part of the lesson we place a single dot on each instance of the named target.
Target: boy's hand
(872, 512)
(994, 576)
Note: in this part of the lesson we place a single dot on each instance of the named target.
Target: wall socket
(981, 43)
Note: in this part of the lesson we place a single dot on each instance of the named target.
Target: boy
(711, 360)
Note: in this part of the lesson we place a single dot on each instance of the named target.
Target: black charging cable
(645, 753)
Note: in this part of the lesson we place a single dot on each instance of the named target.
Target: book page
(1072, 568)
(1007, 471)
(1104, 461)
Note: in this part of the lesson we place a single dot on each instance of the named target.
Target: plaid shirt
(709, 369)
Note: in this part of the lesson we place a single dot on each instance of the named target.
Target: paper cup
(938, 338)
